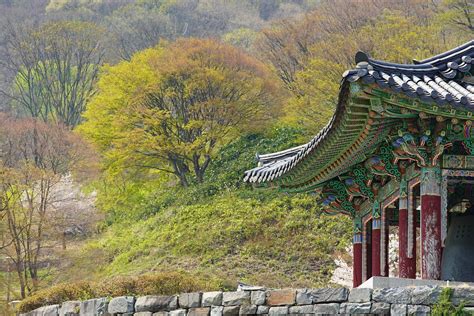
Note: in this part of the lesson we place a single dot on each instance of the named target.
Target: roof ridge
(452, 51)
(435, 63)
(278, 154)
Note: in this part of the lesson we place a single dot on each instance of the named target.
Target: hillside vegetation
(156, 108)
(222, 228)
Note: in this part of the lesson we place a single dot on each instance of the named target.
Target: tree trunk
(180, 170)
(64, 240)
(21, 280)
(199, 170)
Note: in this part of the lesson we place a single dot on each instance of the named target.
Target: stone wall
(327, 301)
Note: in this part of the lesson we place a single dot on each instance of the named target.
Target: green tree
(460, 13)
(242, 37)
(56, 67)
(171, 107)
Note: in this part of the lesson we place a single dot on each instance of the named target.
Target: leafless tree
(34, 156)
(136, 28)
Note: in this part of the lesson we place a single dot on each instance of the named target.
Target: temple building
(396, 156)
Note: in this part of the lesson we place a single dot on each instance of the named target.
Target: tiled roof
(436, 79)
(273, 165)
(444, 79)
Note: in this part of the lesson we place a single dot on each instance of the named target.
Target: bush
(444, 306)
(165, 283)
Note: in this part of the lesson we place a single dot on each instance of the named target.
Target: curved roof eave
(435, 79)
(274, 165)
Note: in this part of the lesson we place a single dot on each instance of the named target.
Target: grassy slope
(222, 228)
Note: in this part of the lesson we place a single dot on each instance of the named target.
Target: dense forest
(126, 126)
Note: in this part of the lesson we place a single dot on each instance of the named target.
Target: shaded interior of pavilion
(402, 256)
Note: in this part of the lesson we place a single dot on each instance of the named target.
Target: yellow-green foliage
(159, 283)
(242, 37)
(317, 91)
(170, 108)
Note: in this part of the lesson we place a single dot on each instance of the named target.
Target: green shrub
(57, 294)
(165, 283)
(444, 306)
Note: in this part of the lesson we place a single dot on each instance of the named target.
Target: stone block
(102, 307)
(398, 309)
(189, 300)
(217, 310)
(280, 310)
(199, 311)
(257, 297)
(380, 308)
(248, 310)
(13, 305)
(464, 295)
(50, 310)
(143, 314)
(159, 314)
(281, 297)
(211, 299)
(178, 312)
(329, 295)
(236, 298)
(156, 303)
(231, 310)
(355, 308)
(301, 309)
(326, 309)
(70, 308)
(397, 295)
(303, 296)
(263, 310)
(360, 295)
(94, 307)
(425, 295)
(122, 305)
(418, 310)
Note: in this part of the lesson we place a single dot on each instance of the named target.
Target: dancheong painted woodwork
(398, 157)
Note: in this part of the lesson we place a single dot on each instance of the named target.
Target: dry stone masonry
(327, 301)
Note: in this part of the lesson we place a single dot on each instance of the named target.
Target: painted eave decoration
(374, 100)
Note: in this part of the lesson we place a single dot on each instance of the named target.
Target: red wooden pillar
(431, 223)
(357, 260)
(376, 247)
(386, 240)
(406, 265)
(368, 254)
